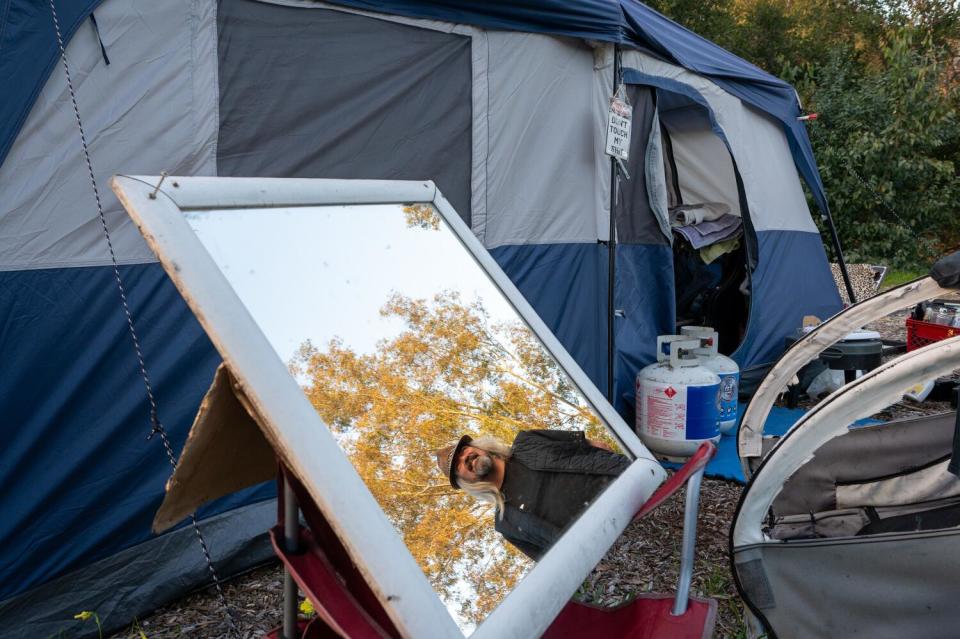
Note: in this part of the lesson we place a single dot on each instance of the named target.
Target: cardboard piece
(224, 452)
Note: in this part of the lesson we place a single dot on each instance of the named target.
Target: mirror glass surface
(402, 343)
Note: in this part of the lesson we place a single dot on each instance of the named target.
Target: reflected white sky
(355, 257)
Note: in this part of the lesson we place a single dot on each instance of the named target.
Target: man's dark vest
(551, 451)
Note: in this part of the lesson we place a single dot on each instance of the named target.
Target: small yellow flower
(83, 616)
(306, 607)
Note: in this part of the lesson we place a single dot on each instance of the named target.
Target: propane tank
(678, 400)
(724, 367)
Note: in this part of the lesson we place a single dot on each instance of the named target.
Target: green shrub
(887, 143)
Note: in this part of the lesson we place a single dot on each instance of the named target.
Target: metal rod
(690, 511)
(291, 542)
(612, 245)
(828, 218)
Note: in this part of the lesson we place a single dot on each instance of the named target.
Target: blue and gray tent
(503, 106)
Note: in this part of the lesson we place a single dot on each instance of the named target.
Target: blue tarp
(726, 463)
(29, 49)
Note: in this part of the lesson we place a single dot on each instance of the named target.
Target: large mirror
(403, 344)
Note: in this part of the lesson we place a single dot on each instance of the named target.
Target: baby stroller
(853, 531)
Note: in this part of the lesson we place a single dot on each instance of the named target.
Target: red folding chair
(317, 562)
(654, 615)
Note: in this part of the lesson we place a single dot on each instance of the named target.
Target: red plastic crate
(920, 333)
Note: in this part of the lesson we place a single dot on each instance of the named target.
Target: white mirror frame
(305, 444)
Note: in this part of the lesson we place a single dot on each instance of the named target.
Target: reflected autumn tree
(451, 370)
(422, 216)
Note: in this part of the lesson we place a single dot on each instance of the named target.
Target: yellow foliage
(451, 371)
(422, 216)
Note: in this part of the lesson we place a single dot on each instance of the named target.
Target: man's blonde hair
(484, 490)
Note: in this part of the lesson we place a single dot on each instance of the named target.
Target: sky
(319, 272)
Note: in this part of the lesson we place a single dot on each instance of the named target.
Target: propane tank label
(729, 386)
(678, 412)
(665, 408)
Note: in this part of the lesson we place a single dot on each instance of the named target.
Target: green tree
(775, 33)
(883, 76)
(887, 146)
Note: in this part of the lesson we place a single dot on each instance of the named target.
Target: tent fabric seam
(42, 78)
(106, 261)
(480, 116)
(635, 76)
(423, 23)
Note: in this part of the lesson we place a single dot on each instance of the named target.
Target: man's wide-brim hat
(446, 458)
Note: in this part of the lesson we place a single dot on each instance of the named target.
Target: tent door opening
(686, 198)
(709, 221)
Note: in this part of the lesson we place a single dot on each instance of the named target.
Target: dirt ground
(646, 558)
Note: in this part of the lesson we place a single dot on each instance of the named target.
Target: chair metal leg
(291, 535)
(690, 511)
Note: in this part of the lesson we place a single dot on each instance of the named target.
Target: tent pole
(839, 252)
(612, 244)
(834, 237)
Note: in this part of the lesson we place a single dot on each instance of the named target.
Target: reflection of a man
(539, 485)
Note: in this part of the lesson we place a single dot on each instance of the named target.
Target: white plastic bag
(825, 383)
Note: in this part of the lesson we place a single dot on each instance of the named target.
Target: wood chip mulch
(645, 559)
(255, 603)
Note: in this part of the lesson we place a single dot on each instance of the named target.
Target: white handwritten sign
(618, 128)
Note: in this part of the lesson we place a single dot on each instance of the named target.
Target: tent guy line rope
(157, 427)
(848, 164)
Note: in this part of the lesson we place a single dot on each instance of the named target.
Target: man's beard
(482, 465)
